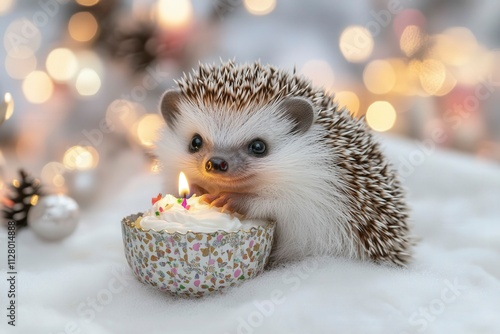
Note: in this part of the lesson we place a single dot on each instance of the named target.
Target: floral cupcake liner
(195, 264)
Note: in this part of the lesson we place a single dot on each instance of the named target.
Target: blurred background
(80, 80)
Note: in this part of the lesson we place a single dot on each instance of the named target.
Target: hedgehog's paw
(227, 201)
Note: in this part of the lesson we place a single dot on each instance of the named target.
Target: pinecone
(24, 194)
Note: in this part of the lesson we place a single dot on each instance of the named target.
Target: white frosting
(199, 218)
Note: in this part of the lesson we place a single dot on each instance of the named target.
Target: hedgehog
(263, 142)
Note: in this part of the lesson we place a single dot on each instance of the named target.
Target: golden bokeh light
(356, 44)
(122, 114)
(259, 7)
(381, 116)
(148, 129)
(88, 82)
(174, 14)
(83, 26)
(22, 39)
(9, 102)
(414, 70)
(319, 72)
(38, 87)
(19, 68)
(404, 84)
(81, 158)
(479, 66)
(61, 64)
(349, 100)
(432, 75)
(5, 6)
(448, 84)
(412, 39)
(58, 180)
(455, 46)
(379, 77)
(87, 3)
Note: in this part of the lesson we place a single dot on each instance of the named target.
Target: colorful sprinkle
(155, 199)
(179, 200)
(157, 213)
(161, 210)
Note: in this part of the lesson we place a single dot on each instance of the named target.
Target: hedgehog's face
(225, 150)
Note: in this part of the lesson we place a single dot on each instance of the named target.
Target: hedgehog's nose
(216, 164)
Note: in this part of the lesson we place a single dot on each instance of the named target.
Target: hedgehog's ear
(300, 111)
(169, 106)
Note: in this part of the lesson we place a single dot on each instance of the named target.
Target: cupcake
(190, 249)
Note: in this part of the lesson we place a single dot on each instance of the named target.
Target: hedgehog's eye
(196, 143)
(257, 147)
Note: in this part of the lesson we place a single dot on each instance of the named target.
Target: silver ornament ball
(54, 217)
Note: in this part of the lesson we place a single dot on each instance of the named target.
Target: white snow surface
(83, 284)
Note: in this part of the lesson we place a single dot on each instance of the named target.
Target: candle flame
(183, 185)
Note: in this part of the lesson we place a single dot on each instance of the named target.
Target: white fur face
(227, 134)
(295, 183)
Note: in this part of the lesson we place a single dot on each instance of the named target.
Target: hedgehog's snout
(216, 165)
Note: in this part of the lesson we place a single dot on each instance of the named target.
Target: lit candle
(183, 189)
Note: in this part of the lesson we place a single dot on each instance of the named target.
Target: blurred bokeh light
(83, 26)
(6, 6)
(87, 2)
(356, 44)
(61, 64)
(81, 158)
(148, 129)
(379, 77)
(19, 68)
(87, 80)
(174, 14)
(381, 116)
(349, 100)
(38, 87)
(259, 7)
